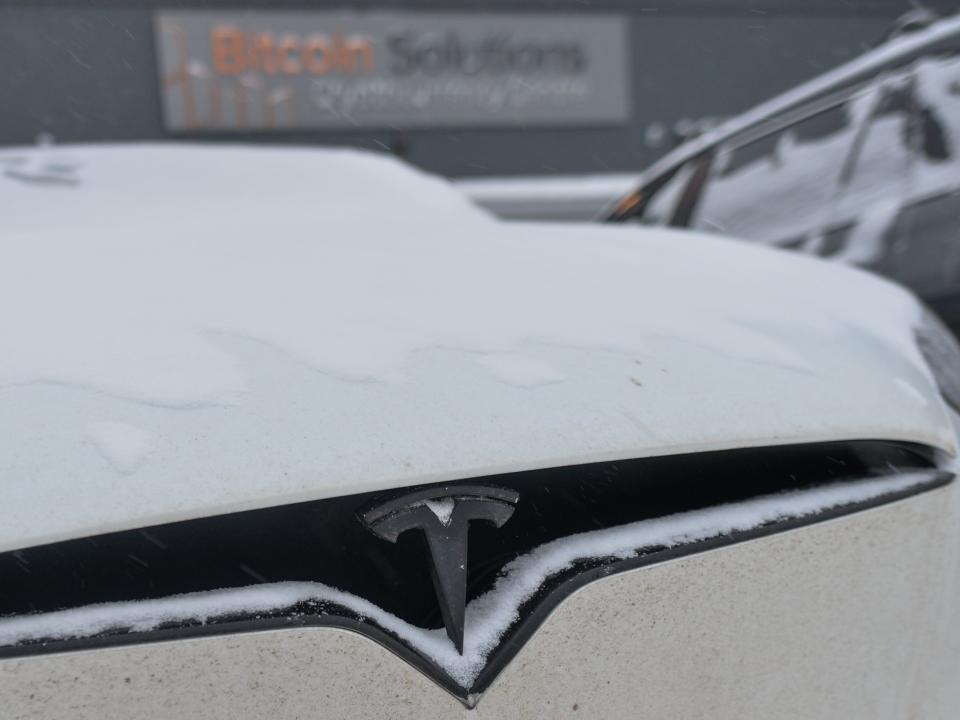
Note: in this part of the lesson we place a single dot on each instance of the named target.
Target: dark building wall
(86, 71)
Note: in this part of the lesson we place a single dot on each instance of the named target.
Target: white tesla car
(255, 403)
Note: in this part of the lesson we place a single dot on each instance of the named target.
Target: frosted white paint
(292, 324)
(123, 446)
(490, 615)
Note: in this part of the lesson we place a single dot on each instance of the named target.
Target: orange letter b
(227, 45)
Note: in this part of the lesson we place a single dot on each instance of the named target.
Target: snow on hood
(188, 330)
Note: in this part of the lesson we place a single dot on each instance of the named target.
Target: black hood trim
(533, 613)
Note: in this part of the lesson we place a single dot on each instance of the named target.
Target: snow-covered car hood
(190, 330)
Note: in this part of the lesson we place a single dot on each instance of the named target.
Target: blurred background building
(498, 87)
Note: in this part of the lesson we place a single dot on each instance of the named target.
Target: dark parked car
(860, 165)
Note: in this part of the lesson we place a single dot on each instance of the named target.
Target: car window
(774, 185)
(876, 176)
(822, 125)
(751, 153)
(918, 246)
(882, 152)
(905, 158)
(937, 123)
(921, 245)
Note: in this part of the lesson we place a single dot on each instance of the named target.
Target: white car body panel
(251, 327)
(548, 197)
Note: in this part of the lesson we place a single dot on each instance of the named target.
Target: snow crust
(126, 447)
(443, 508)
(489, 616)
(293, 324)
(520, 370)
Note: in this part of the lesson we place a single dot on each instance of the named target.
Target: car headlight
(942, 353)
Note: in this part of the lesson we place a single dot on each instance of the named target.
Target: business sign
(286, 70)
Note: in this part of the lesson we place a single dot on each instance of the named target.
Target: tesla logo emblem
(444, 515)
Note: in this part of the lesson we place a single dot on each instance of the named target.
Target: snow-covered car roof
(189, 330)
